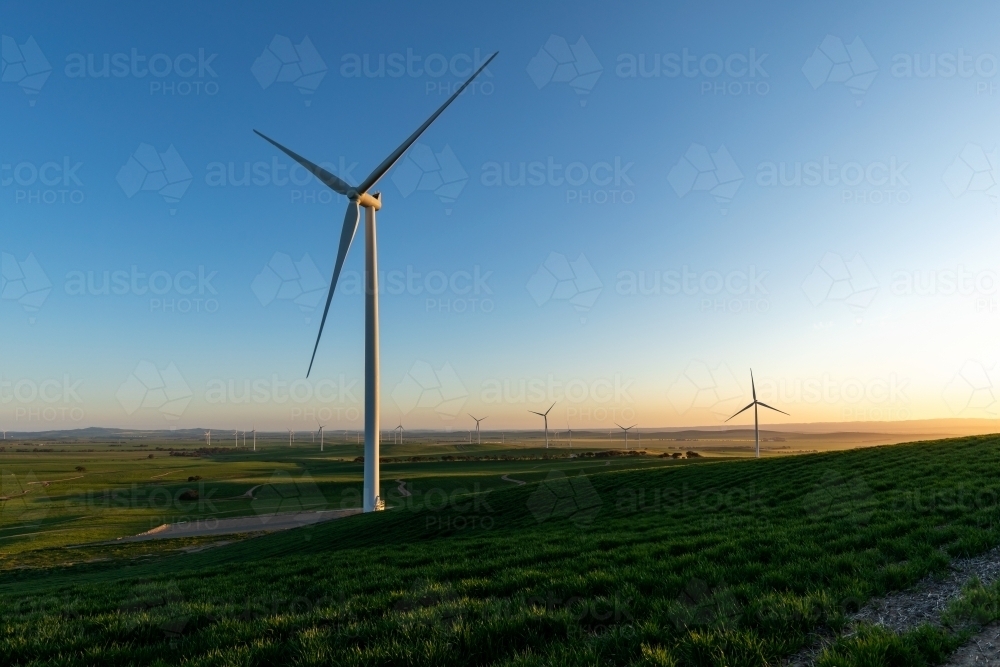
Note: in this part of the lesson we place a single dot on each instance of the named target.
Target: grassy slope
(726, 563)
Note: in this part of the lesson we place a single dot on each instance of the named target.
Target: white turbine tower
(321, 427)
(479, 440)
(626, 429)
(399, 431)
(254, 433)
(291, 437)
(208, 438)
(756, 426)
(545, 416)
(236, 437)
(361, 197)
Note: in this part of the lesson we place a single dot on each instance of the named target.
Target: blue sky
(874, 291)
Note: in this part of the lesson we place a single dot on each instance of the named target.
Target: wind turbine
(208, 438)
(570, 435)
(545, 416)
(626, 429)
(321, 427)
(361, 197)
(290, 437)
(236, 436)
(756, 427)
(478, 439)
(399, 430)
(254, 432)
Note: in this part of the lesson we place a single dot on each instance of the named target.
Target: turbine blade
(746, 408)
(346, 236)
(770, 408)
(536, 413)
(398, 153)
(753, 389)
(550, 408)
(330, 180)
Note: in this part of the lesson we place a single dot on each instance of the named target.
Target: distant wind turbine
(208, 438)
(236, 437)
(626, 429)
(359, 197)
(321, 427)
(399, 432)
(479, 440)
(756, 426)
(254, 432)
(291, 437)
(545, 416)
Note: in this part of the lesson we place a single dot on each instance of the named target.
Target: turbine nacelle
(365, 200)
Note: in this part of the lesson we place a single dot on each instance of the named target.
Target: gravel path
(515, 481)
(248, 524)
(923, 603)
(983, 650)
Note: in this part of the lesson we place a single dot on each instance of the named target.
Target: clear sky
(633, 207)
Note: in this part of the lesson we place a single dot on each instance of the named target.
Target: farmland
(640, 561)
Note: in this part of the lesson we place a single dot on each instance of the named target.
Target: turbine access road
(248, 524)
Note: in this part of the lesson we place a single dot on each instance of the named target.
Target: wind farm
(521, 436)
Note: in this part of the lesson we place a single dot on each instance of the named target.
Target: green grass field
(122, 492)
(639, 562)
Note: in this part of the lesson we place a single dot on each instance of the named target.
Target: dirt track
(248, 524)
